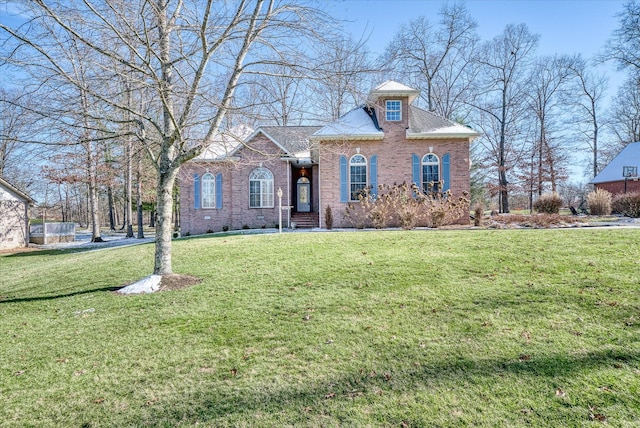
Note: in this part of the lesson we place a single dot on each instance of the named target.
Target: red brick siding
(394, 163)
(616, 187)
(235, 212)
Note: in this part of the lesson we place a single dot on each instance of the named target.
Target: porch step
(305, 220)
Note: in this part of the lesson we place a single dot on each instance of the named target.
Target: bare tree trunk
(128, 211)
(139, 199)
(164, 202)
(93, 194)
(112, 223)
(504, 191)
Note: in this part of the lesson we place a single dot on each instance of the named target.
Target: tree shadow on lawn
(51, 252)
(302, 403)
(4, 299)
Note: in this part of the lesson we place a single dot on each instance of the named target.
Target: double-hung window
(393, 110)
(261, 188)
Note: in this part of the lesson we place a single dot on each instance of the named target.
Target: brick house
(386, 141)
(621, 174)
(14, 216)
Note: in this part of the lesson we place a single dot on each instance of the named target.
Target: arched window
(357, 176)
(430, 173)
(208, 191)
(261, 188)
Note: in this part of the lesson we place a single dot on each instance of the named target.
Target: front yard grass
(390, 328)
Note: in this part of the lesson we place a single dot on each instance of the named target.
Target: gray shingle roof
(294, 139)
(629, 156)
(423, 123)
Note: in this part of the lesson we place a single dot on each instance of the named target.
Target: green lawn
(393, 328)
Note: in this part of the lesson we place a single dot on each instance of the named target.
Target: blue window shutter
(373, 175)
(415, 170)
(446, 171)
(196, 191)
(344, 182)
(219, 191)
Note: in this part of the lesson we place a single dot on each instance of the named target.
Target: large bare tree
(587, 96)
(624, 45)
(625, 112)
(189, 59)
(547, 82)
(437, 56)
(500, 102)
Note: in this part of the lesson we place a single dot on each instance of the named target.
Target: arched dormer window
(357, 176)
(261, 188)
(430, 173)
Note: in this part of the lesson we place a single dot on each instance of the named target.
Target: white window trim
(424, 163)
(208, 177)
(366, 173)
(388, 110)
(263, 182)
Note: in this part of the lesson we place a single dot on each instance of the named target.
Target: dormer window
(393, 110)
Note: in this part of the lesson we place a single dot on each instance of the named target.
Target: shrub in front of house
(548, 203)
(599, 202)
(439, 209)
(357, 212)
(401, 206)
(328, 218)
(627, 204)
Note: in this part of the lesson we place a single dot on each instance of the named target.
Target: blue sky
(564, 26)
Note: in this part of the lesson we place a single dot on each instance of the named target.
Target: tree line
(104, 101)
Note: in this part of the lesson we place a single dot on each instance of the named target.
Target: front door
(304, 195)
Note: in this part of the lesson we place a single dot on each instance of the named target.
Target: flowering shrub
(627, 204)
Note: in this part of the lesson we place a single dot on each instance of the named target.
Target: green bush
(599, 202)
(548, 203)
(627, 204)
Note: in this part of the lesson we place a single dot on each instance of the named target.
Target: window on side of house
(261, 188)
(208, 191)
(393, 110)
(430, 173)
(357, 176)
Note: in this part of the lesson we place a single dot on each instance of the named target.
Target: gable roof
(19, 194)
(357, 124)
(293, 140)
(425, 124)
(629, 156)
(392, 88)
(225, 144)
(361, 124)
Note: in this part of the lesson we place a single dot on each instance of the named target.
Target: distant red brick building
(234, 184)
